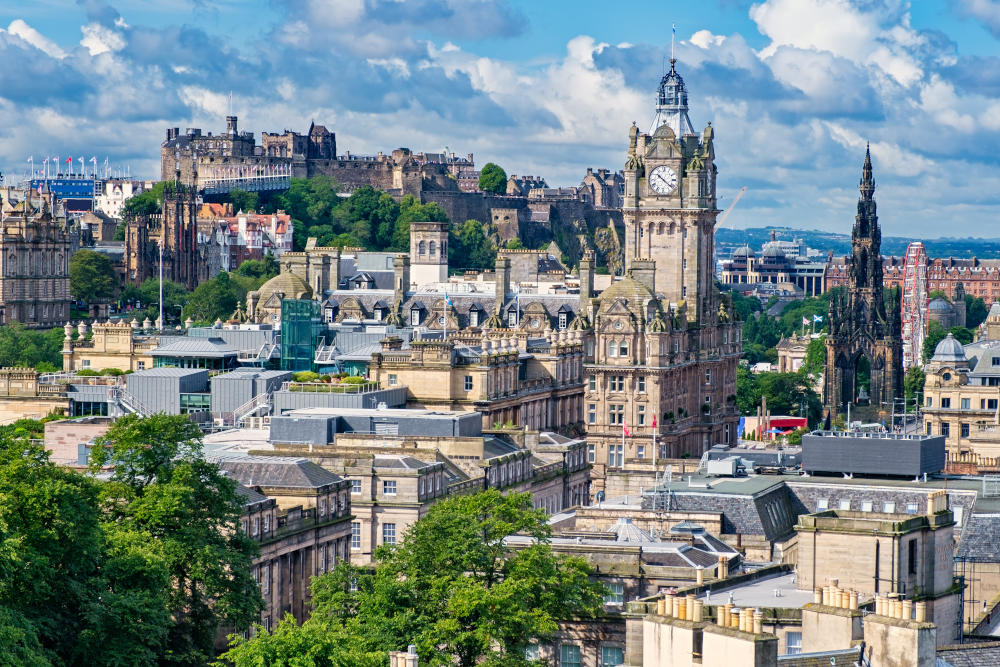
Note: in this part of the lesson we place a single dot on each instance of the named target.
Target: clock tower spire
(669, 203)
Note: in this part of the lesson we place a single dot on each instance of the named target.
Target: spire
(672, 103)
(867, 185)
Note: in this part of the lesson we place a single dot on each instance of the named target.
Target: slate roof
(249, 496)
(400, 462)
(986, 654)
(980, 539)
(280, 471)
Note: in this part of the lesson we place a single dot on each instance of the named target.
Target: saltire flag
(817, 318)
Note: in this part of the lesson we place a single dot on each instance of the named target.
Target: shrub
(87, 372)
(353, 379)
(305, 376)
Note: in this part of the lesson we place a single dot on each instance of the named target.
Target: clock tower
(669, 206)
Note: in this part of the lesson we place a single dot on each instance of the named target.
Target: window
(930, 402)
(433, 247)
(562, 323)
(389, 487)
(474, 318)
(965, 404)
(592, 383)
(141, 365)
(612, 656)
(641, 385)
(641, 415)
(945, 402)
(388, 533)
(640, 452)
(928, 428)
(616, 414)
(911, 563)
(793, 643)
(355, 535)
(531, 652)
(86, 363)
(415, 317)
(355, 486)
(889, 508)
(512, 318)
(623, 349)
(845, 504)
(591, 453)
(591, 413)
(945, 429)
(613, 349)
(256, 525)
(422, 248)
(615, 593)
(393, 379)
(866, 506)
(468, 383)
(911, 508)
(996, 361)
(822, 505)
(616, 456)
(569, 656)
(708, 376)
(617, 383)
(991, 404)
(965, 430)
(322, 507)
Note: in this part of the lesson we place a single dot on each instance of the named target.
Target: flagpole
(654, 443)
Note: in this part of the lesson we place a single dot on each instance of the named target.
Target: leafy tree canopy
(452, 588)
(247, 202)
(146, 202)
(936, 333)
(31, 348)
(492, 178)
(470, 247)
(92, 278)
(786, 393)
(913, 386)
(975, 311)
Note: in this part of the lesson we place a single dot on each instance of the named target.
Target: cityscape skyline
(792, 106)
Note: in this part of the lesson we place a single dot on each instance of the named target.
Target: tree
(470, 247)
(147, 297)
(492, 178)
(786, 393)
(31, 348)
(91, 276)
(747, 391)
(214, 299)
(975, 311)
(936, 333)
(248, 202)
(452, 588)
(146, 202)
(815, 360)
(265, 268)
(164, 493)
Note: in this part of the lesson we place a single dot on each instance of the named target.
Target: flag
(625, 431)
(447, 300)
(805, 320)
(654, 421)
(817, 318)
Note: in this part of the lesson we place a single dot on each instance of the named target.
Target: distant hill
(728, 239)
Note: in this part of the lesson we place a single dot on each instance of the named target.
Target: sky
(793, 88)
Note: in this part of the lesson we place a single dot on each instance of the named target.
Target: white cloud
(21, 29)
(938, 99)
(891, 158)
(98, 39)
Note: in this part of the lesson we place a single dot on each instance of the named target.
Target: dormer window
(562, 320)
(512, 318)
(415, 317)
(473, 318)
(378, 314)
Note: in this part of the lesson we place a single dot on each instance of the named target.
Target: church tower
(669, 207)
(862, 324)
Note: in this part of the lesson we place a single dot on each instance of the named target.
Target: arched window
(433, 247)
(613, 349)
(422, 248)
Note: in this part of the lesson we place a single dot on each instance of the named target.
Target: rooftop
(776, 591)
(397, 413)
(279, 471)
(196, 347)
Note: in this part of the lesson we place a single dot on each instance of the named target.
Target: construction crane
(725, 214)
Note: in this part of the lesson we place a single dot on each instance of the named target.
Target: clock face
(663, 180)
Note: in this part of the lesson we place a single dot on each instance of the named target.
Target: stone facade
(661, 367)
(34, 266)
(186, 258)
(118, 345)
(428, 252)
(862, 323)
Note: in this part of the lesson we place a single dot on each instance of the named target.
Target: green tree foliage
(815, 360)
(248, 202)
(214, 299)
(936, 333)
(262, 269)
(452, 588)
(31, 348)
(492, 178)
(147, 295)
(470, 247)
(309, 202)
(791, 316)
(164, 494)
(913, 386)
(91, 276)
(760, 334)
(786, 393)
(146, 202)
(975, 311)
(513, 244)
(745, 305)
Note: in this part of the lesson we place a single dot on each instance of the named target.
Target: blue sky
(793, 88)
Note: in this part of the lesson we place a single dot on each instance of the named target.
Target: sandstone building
(34, 264)
(661, 367)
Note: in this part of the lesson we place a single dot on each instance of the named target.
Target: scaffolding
(914, 306)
